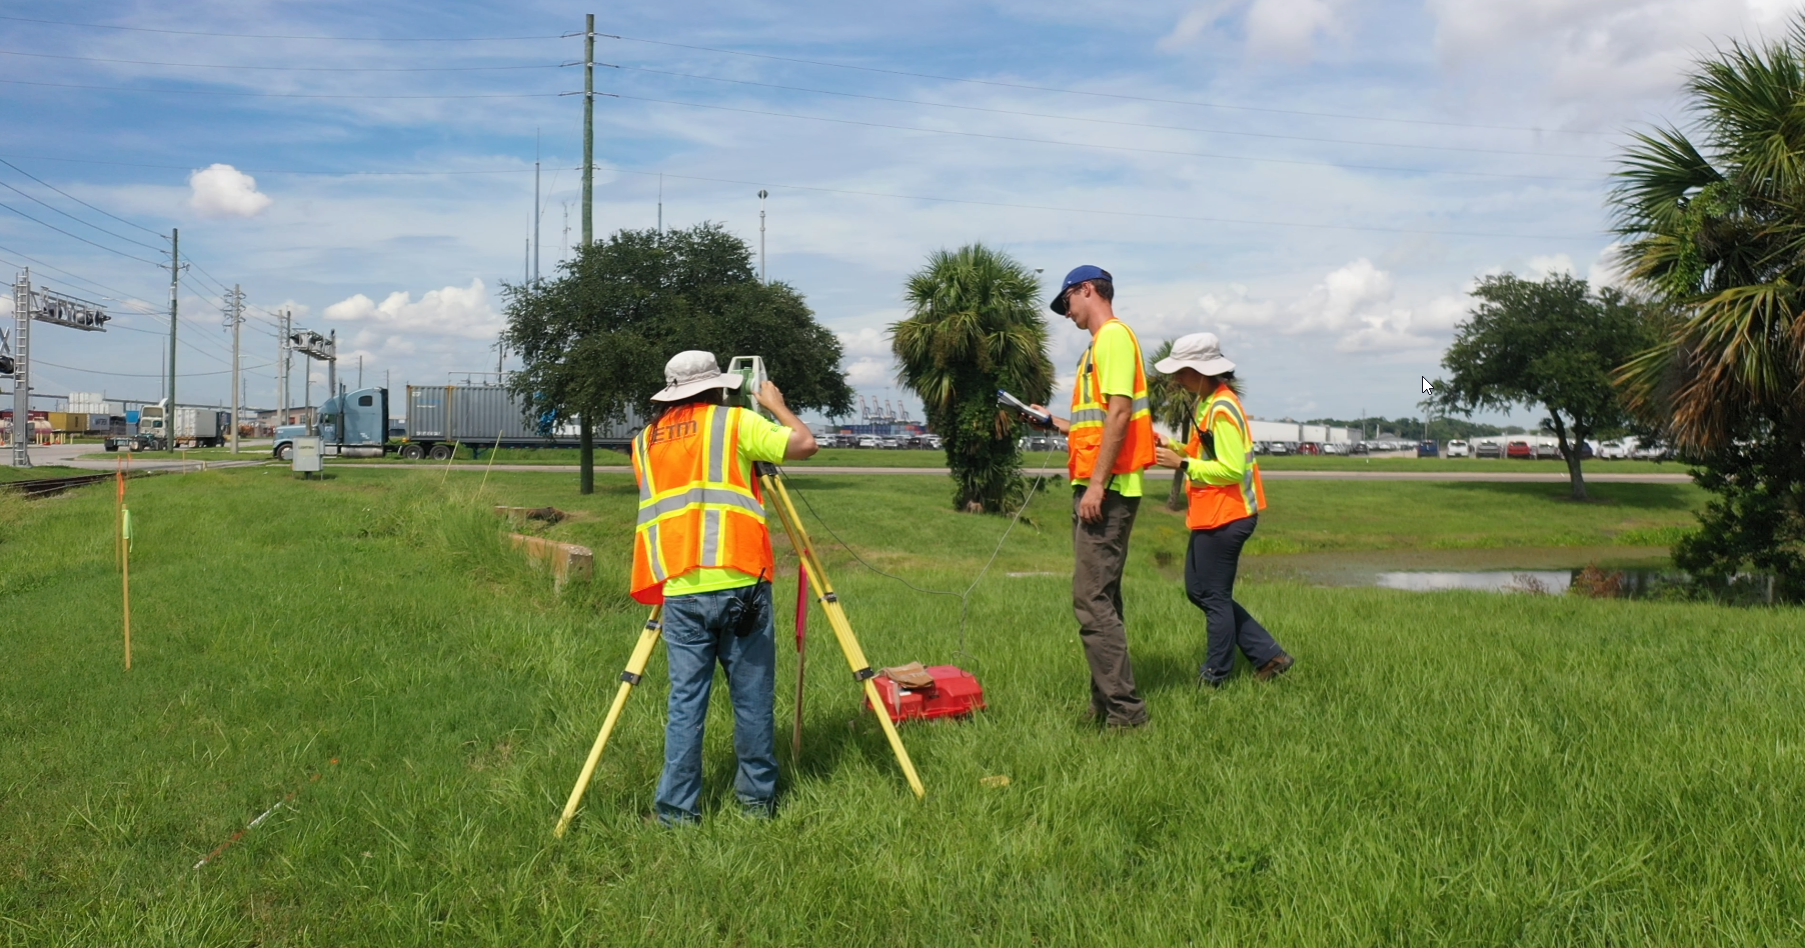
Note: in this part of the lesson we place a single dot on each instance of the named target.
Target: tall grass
(1454, 768)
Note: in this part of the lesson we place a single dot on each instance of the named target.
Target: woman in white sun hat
(1226, 497)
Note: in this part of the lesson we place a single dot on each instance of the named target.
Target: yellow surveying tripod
(752, 367)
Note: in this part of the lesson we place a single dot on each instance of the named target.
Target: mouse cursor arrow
(1427, 385)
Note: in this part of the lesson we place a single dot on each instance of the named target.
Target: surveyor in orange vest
(1110, 437)
(701, 547)
(1226, 497)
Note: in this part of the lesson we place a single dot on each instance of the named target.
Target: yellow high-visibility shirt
(1113, 351)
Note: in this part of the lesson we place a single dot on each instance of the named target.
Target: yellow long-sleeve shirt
(1227, 464)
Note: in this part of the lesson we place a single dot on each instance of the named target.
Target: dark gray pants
(1099, 551)
(1210, 564)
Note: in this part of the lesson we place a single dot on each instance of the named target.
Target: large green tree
(1551, 344)
(594, 340)
(1712, 220)
(974, 327)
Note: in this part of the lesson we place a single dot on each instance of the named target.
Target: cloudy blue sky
(1317, 181)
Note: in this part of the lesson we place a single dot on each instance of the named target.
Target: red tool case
(954, 693)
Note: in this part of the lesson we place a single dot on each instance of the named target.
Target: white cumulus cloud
(223, 191)
(462, 312)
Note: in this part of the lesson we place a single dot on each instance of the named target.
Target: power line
(146, 62)
(74, 276)
(1099, 121)
(340, 174)
(132, 375)
(78, 220)
(76, 199)
(279, 95)
(1108, 213)
(1104, 147)
(1104, 95)
(78, 237)
(348, 39)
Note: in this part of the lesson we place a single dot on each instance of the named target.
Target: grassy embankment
(1438, 768)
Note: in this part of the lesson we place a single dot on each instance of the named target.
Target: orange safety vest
(1213, 505)
(699, 504)
(1090, 408)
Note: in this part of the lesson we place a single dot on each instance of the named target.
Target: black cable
(1099, 121)
(1104, 95)
(348, 39)
(83, 203)
(278, 95)
(1099, 146)
(232, 66)
(77, 237)
(130, 375)
(41, 202)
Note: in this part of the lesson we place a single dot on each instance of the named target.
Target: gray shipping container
(479, 414)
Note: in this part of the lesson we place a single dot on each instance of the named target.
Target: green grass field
(1449, 768)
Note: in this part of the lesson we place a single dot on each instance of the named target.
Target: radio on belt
(940, 691)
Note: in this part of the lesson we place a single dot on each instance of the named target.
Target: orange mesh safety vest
(699, 504)
(1213, 505)
(1090, 408)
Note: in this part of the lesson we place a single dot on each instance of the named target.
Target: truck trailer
(439, 418)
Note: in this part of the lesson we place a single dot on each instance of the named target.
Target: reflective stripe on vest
(699, 503)
(1212, 505)
(1090, 409)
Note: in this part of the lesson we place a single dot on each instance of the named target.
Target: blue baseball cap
(1083, 274)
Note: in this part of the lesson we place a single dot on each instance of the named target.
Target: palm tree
(974, 327)
(1173, 407)
(1713, 228)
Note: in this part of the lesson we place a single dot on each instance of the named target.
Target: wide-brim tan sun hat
(1200, 351)
(693, 371)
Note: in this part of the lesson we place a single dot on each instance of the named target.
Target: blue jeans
(735, 628)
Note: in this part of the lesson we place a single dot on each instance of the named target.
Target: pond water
(1604, 572)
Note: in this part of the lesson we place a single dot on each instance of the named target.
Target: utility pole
(588, 131)
(284, 361)
(332, 372)
(536, 209)
(175, 288)
(762, 194)
(585, 425)
(237, 318)
(661, 204)
(21, 431)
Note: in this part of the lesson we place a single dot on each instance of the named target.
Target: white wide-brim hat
(693, 371)
(1201, 351)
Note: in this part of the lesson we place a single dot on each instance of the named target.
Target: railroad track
(49, 486)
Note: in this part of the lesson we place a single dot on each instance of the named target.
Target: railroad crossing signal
(15, 350)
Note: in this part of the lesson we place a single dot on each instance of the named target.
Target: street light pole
(762, 194)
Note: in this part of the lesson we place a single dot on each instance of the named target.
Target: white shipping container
(88, 402)
(1341, 435)
(196, 423)
(1286, 431)
(1313, 433)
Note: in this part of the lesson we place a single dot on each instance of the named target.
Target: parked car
(1459, 449)
(1519, 449)
(867, 441)
(1427, 449)
(1547, 451)
(1309, 447)
(1280, 447)
(1488, 449)
(1614, 450)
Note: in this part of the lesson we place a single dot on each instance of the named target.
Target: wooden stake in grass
(125, 563)
(492, 452)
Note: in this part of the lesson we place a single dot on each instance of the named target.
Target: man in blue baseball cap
(1110, 438)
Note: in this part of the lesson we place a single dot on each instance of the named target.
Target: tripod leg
(801, 661)
(836, 619)
(636, 667)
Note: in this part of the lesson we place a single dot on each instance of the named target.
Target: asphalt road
(67, 456)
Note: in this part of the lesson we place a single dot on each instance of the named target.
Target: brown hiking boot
(1275, 668)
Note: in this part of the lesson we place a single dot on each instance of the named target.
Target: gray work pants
(1099, 551)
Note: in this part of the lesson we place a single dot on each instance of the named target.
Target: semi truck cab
(352, 425)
